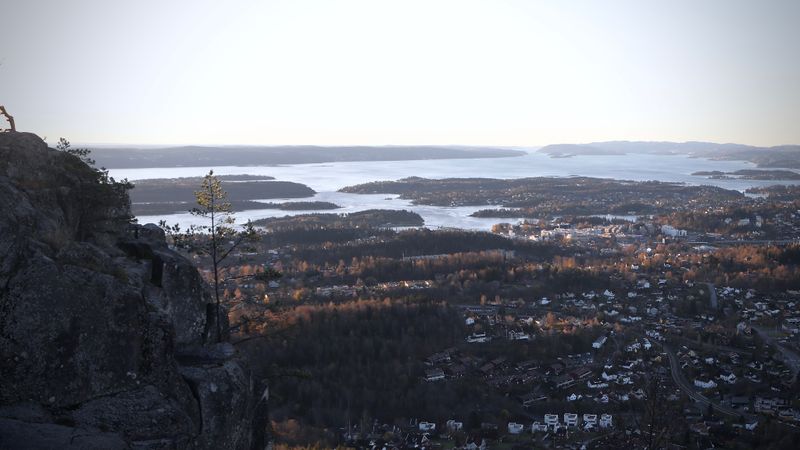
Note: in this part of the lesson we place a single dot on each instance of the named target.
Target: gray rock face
(92, 315)
(18, 435)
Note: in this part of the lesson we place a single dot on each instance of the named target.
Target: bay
(327, 178)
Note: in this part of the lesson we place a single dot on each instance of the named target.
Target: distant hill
(201, 156)
(786, 156)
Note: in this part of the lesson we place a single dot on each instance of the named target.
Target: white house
(606, 421)
(590, 419)
(518, 336)
(551, 420)
(571, 419)
(672, 231)
(452, 425)
(599, 342)
(729, 378)
(537, 426)
(515, 428)
(705, 384)
(478, 337)
(596, 385)
(427, 426)
(434, 374)
(608, 377)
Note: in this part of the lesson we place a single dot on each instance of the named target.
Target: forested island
(176, 195)
(367, 218)
(549, 196)
(749, 174)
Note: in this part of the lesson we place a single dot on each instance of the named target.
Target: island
(550, 196)
(749, 174)
(380, 218)
(176, 195)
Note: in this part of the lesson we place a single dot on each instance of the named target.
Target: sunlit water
(327, 178)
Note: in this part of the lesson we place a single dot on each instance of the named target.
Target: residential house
(478, 338)
(710, 384)
(599, 342)
(538, 426)
(589, 421)
(729, 378)
(427, 426)
(452, 425)
(515, 428)
(434, 374)
(563, 382)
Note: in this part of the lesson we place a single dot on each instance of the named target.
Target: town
(680, 328)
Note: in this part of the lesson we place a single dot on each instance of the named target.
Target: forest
(366, 218)
(176, 195)
(356, 363)
(548, 197)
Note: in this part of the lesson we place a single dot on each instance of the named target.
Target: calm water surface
(327, 178)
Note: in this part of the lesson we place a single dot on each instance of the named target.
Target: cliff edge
(105, 333)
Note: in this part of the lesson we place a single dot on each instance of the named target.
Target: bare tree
(9, 118)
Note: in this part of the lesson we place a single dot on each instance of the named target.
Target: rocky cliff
(105, 333)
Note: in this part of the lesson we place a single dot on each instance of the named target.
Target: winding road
(688, 389)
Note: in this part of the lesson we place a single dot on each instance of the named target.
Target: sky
(373, 72)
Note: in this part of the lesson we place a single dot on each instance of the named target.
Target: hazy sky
(402, 72)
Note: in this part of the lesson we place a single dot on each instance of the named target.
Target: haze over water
(327, 178)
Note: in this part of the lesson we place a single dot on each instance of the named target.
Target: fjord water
(327, 178)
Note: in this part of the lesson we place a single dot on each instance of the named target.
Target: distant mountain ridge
(201, 156)
(786, 156)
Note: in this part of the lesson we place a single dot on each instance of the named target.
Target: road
(688, 389)
(712, 295)
(790, 358)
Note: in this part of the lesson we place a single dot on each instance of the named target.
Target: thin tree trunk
(215, 265)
